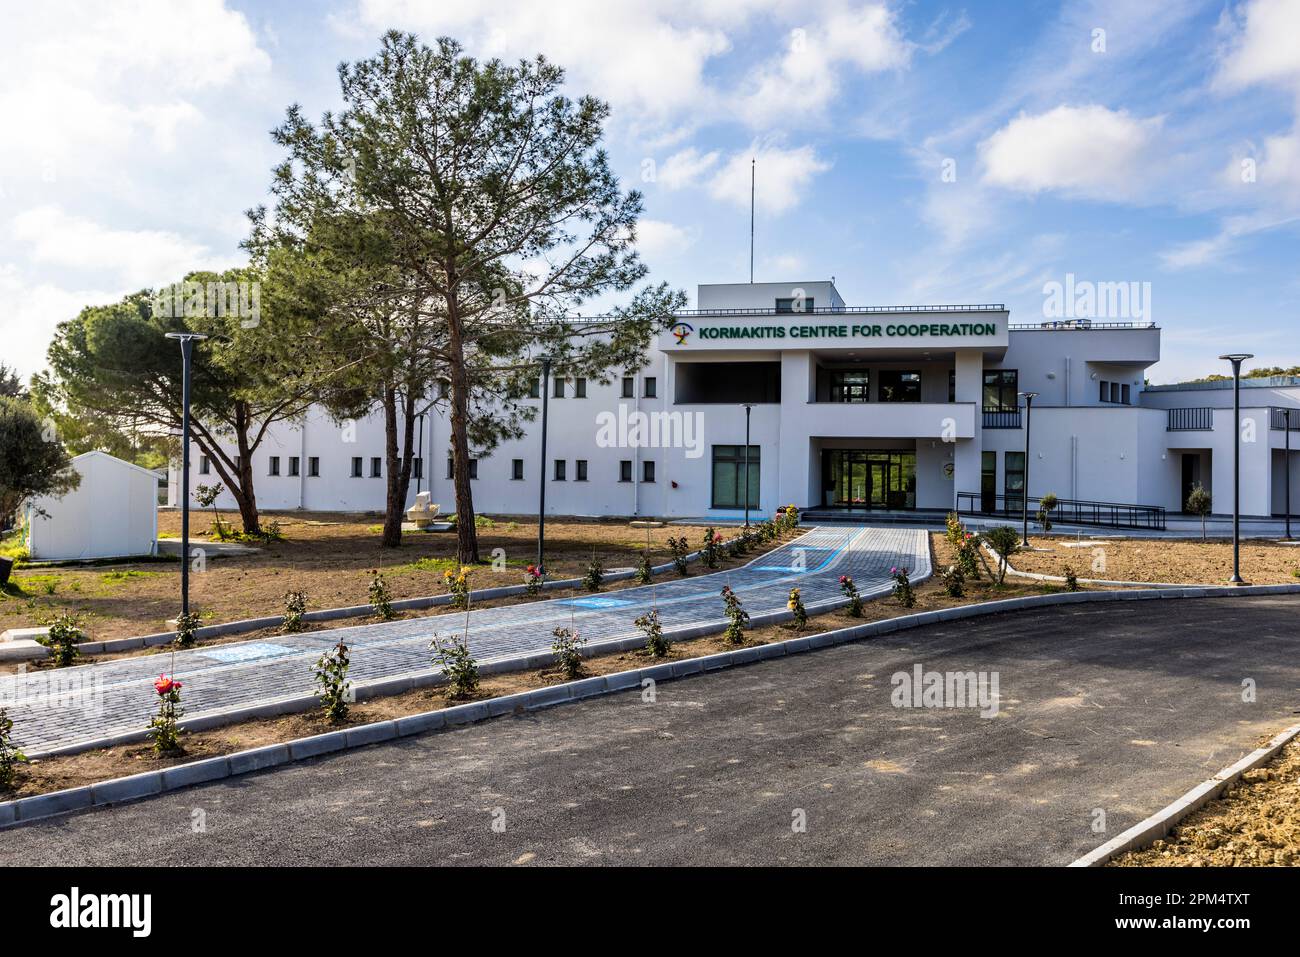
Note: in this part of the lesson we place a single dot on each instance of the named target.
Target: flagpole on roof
(751, 220)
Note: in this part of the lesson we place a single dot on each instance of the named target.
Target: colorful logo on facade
(682, 331)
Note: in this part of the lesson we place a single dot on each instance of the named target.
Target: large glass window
(1014, 480)
(1001, 390)
(863, 478)
(729, 476)
(896, 386)
(850, 385)
(988, 481)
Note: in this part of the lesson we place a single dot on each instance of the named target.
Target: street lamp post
(1287, 430)
(1236, 358)
(748, 409)
(1024, 492)
(419, 476)
(187, 346)
(541, 477)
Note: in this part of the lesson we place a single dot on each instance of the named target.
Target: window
(729, 476)
(580, 470)
(294, 465)
(625, 470)
(648, 470)
(451, 468)
(629, 387)
(559, 470)
(376, 466)
(850, 385)
(517, 470)
(205, 465)
(313, 466)
(535, 389)
(1013, 482)
(952, 385)
(798, 304)
(356, 466)
(898, 386)
(580, 388)
(417, 468)
(651, 387)
(1001, 390)
(1124, 394)
(444, 387)
(473, 469)
(557, 388)
(988, 481)
(1105, 391)
(1114, 392)
(273, 465)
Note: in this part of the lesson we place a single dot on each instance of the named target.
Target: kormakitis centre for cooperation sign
(904, 332)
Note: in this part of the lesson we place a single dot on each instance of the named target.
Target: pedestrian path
(71, 706)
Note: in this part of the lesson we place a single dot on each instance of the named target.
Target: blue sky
(919, 152)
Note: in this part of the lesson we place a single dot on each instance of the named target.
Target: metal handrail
(1070, 325)
(1192, 419)
(1277, 418)
(1001, 418)
(839, 310)
(1067, 511)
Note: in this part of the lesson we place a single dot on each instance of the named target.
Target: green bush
(567, 648)
(1005, 541)
(656, 645)
(331, 674)
(295, 606)
(457, 664)
(65, 634)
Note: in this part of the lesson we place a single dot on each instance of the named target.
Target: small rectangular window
(356, 466)
(205, 465)
(557, 389)
(579, 388)
(473, 468)
(1124, 394)
(517, 470)
(795, 304)
(1114, 392)
(580, 470)
(625, 470)
(559, 470)
(444, 388)
(651, 387)
(629, 387)
(1105, 391)
(313, 466)
(273, 465)
(376, 466)
(417, 468)
(535, 389)
(648, 470)
(294, 465)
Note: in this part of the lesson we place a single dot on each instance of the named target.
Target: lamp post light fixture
(1236, 358)
(541, 475)
(1287, 433)
(187, 346)
(1029, 398)
(749, 407)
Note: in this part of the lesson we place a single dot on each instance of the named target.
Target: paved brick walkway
(56, 709)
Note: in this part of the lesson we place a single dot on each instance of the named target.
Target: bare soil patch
(1175, 561)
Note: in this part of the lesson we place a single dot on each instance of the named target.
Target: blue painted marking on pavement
(250, 651)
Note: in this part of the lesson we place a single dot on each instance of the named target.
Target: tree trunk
(399, 466)
(244, 494)
(466, 531)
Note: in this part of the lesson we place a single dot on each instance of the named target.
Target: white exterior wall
(113, 513)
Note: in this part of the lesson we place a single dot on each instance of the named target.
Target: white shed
(113, 513)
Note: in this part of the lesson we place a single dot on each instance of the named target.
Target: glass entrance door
(865, 478)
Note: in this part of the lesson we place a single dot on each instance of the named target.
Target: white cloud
(1263, 46)
(132, 258)
(686, 168)
(782, 177)
(657, 239)
(1214, 250)
(1087, 151)
(31, 313)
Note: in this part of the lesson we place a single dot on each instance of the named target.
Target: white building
(855, 408)
(113, 513)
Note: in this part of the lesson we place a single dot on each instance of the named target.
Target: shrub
(1071, 579)
(968, 555)
(956, 531)
(1200, 503)
(954, 581)
(568, 651)
(680, 549)
(65, 634)
(788, 518)
(295, 606)
(1046, 505)
(595, 574)
(737, 617)
(532, 580)
(795, 604)
(187, 627)
(10, 755)
(457, 583)
(644, 573)
(711, 548)
(381, 599)
(332, 675)
(454, 659)
(164, 727)
(1005, 541)
(902, 587)
(850, 590)
(656, 645)
(205, 496)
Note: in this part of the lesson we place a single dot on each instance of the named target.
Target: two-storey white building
(848, 409)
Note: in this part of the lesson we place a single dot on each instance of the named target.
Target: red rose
(165, 685)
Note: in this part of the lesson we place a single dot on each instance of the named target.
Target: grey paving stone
(213, 769)
(371, 733)
(318, 744)
(126, 789)
(43, 805)
(257, 758)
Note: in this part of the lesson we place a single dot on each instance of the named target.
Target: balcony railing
(1067, 511)
(1001, 418)
(1277, 419)
(840, 310)
(1190, 420)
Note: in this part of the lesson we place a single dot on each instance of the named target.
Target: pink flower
(165, 685)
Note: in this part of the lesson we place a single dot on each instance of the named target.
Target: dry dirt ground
(52, 774)
(1255, 824)
(328, 556)
(1163, 560)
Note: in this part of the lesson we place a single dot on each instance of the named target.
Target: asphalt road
(1119, 707)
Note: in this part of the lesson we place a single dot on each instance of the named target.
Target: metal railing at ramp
(1067, 511)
